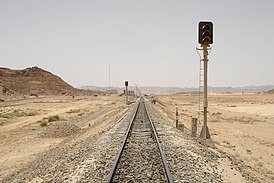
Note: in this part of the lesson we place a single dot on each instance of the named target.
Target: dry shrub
(44, 123)
(53, 118)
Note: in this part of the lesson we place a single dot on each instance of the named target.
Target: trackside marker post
(177, 120)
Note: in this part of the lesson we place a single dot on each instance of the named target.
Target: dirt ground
(240, 125)
(22, 122)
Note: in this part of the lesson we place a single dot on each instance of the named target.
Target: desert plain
(240, 125)
(30, 127)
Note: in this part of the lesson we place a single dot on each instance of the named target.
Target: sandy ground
(240, 125)
(20, 124)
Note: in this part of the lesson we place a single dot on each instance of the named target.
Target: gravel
(191, 159)
(140, 160)
(59, 129)
(74, 161)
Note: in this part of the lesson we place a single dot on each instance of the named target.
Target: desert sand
(241, 125)
(23, 137)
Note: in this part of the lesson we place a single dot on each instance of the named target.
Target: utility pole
(109, 79)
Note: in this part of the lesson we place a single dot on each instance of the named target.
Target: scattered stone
(59, 130)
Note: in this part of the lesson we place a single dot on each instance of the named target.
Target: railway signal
(205, 33)
(126, 91)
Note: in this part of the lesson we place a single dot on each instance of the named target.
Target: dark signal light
(205, 33)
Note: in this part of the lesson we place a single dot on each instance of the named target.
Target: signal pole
(205, 39)
(126, 91)
(205, 132)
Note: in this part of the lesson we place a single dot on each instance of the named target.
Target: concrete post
(194, 127)
(181, 127)
(177, 120)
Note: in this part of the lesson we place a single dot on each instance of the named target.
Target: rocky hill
(33, 81)
(270, 91)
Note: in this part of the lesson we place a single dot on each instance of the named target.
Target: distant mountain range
(173, 90)
(35, 81)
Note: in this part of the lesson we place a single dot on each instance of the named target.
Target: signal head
(205, 33)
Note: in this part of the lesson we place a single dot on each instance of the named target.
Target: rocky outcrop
(34, 81)
(270, 91)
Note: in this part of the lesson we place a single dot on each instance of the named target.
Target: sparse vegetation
(216, 114)
(7, 116)
(44, 123)
(31, 114)
(1, 123)
(53, 118)
(217, 117)
(16, 113)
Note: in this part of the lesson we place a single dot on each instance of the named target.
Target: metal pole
(205, 132)
(126, 94)
(205, 87)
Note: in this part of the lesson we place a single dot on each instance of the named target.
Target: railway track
(140, 157)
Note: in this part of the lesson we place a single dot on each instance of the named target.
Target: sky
(147, 42)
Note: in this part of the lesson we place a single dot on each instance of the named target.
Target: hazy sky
(148, 42)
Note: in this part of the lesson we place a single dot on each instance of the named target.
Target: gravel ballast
(59, 129)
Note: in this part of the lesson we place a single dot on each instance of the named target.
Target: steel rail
(111, 174)
(168, 173)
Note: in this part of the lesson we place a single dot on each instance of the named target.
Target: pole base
(205, 133)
